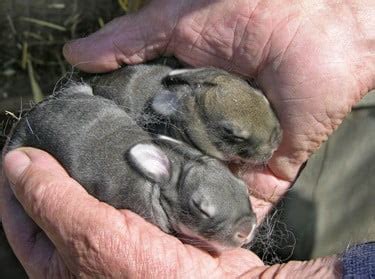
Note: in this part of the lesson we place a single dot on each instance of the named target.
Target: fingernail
(70, 48)
(67, 50)
(15, 164)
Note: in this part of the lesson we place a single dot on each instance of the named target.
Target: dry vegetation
(31, 38)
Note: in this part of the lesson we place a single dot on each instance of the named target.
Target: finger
(2, 184)
(56, 203)
(28, 242)
(97, 237)
(265, 188)
(238, 261)
(82, 228)
(126, 40)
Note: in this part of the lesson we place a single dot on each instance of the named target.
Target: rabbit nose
(241, 237)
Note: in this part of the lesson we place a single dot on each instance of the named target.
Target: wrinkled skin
(314, 61)
(300, 53)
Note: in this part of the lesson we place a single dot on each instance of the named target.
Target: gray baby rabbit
(210, 109)
(170, 184)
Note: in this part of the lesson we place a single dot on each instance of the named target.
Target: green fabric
(332, 203)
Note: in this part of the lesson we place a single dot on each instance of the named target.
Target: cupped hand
(73, 234)
(313, 59)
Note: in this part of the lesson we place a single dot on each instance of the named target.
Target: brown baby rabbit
(212, 110)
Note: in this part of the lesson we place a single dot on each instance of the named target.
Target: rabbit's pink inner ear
(151, 162)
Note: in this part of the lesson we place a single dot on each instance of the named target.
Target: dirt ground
(31, 39)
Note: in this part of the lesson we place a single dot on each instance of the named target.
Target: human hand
(314, 61)
(73, 234)
(290, 49)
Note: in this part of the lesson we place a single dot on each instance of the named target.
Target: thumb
(57, 204)
(128, 39)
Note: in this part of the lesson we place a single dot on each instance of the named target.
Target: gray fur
(210, 109)
(167, 182)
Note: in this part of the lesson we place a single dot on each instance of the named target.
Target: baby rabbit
(212, 110)
(170, 184)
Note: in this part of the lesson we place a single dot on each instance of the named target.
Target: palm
(298, 53)
(81, 235)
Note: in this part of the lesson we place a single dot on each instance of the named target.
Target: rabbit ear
(166, 103)
(200, 76)
(76, 88)
(180, 147)
(150, 161)
(182, 71)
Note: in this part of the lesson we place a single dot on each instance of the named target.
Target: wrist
(328, 267)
